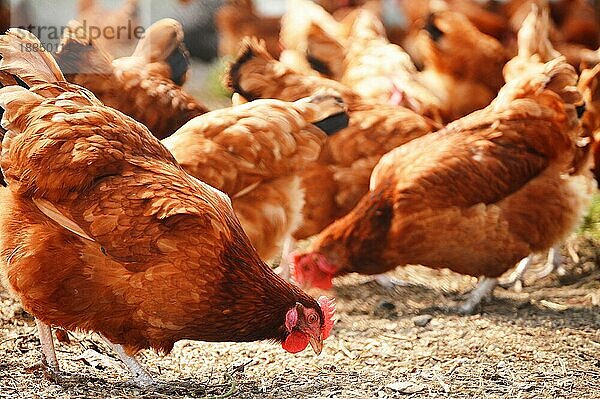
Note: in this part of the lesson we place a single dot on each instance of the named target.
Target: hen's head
(313, 270)
(307, 325)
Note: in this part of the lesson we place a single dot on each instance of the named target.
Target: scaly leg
(49, 361)
(141, 377)
(515, 279)
(482, 290)
(284, 269)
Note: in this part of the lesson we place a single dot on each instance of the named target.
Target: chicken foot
(553, 264)
(141, 377)
(49, 361)
(483, 290)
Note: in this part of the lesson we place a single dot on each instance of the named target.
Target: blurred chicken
(462, 66)
(533, 43)
(590, 90)
(161, 52)
(320, 52)
(112, 29)
(577, 22)
(255, 153)
(145, 85)
(335, 183)
(491, 23)
(474, 197)
(384, 72)
(237, 19)
(577, 52)
(298, 18)
(102, 230)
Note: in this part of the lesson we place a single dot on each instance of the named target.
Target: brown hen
(102, 230)
(255, 153)
(474, 197)
(145, 85)
(341, 171)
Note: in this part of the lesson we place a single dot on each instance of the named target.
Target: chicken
(393, 81)
(462, 66)
(590, 90)
(145, 85)
(577, 22)
(533, 43)
(113, 29)
(319, 52)
(161, 52)
(298, 18)
(534, 48)
(491, 23)
(255, 153)
(237, 19)
(474, 197)
(102, 230)
(341, 176)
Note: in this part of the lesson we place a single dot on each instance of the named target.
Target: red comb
(328, 307)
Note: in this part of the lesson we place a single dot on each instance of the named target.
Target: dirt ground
(542, 342)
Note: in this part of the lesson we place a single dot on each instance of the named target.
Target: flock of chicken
(472, 162)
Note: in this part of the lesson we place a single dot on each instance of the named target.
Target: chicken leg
(482, 290)
(141, 377)
(515, 279)
(49, 361)
(284, 269)
(553, 264)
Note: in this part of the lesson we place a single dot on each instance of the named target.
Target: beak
(316, 344)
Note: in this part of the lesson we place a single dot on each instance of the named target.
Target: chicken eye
(312, 318)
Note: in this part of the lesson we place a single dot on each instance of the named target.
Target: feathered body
(348, 157)
(102, 230)
(474, 197)
(255, 153)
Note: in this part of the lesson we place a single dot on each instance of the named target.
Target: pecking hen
(474, 197)
(102, 230)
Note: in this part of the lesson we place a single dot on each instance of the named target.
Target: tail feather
(251, 49)
(163, 42)
(326, 110)
(79, 54)
(534, 35)
(24, 56)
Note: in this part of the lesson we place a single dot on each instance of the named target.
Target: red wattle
(295, 342)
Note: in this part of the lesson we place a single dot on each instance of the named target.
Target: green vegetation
(591, 222)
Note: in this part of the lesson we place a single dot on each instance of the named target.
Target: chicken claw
(141, 378)
(482, 290)
(516, 278)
